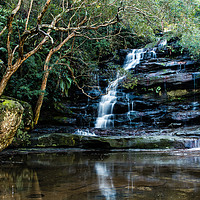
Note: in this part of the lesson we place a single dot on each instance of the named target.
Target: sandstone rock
(10, 119)
(112, 142)
(168, 77)
(27, 117)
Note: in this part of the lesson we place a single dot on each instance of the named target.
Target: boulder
(27, 118)
(10, 118)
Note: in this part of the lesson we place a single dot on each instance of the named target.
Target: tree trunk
(41, 97)
(5, 79)
(43, 87)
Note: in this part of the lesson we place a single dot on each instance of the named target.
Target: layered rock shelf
(117, 138)
(165, 94)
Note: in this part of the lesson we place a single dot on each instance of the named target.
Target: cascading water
(105, 111)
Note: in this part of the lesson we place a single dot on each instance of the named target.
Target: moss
(177, 93)
(71, 140)
(62, 108)
(8, 104)
(153, 143)
(27, 117)
(58, 139)
(10, 119)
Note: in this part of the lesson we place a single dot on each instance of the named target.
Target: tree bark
(41, 97)
(6, 77)
(5, 80)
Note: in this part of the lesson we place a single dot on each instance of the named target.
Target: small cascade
(192, 143)
(105, 111)
(84, 133)
(194, 79)
(130, 108)
(162, 43)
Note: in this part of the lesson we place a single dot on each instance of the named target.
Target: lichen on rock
(10, 118)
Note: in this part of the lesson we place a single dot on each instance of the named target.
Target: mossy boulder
(10, 118)
(27, 117)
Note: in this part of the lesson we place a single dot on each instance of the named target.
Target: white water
(105, 117)
(85, 133)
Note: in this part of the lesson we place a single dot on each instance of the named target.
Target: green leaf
(3, 49)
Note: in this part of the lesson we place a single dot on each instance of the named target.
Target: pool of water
(93, 175)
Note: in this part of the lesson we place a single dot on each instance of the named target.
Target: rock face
(165, 93)
(10, 118)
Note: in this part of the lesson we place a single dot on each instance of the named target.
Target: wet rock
(140, 105)
(92, 108)
(120, 108)
(64, 120)
(186, 116)
(56, 140)
(122, 54)
(168, 77)
(164, 64)
(83, 120)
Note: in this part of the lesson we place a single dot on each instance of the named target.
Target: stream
(76, 174)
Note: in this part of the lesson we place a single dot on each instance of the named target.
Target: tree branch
(9, 26)
(79, 87)
(3, 30)
(97, 38)
(46, 34)
(29, 12)
(39, 19)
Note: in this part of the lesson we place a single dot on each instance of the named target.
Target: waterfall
(105, 117)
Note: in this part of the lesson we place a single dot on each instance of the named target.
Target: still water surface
(91, 175)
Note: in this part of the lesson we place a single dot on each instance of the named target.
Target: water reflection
(19, 184)
(105, 181)
(102, 176)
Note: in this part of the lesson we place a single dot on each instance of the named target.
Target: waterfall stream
(105, 117)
